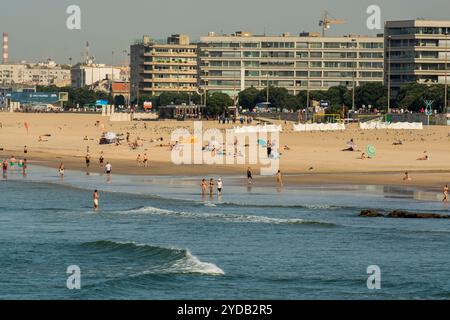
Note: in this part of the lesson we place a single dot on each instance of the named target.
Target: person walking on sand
(407, 177)
(249, 176)
(279, 178)
(61, 170)
(204, 186)
(219, 186)
(145, 160)
(101, 159)
(211, 187)
(96, 199)
(139, 160)
(108, 168)
(445, 191)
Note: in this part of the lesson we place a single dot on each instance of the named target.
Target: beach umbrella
(371, 151)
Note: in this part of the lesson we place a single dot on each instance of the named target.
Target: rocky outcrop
(368, 213)
(412, 215)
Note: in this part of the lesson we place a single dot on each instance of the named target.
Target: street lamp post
(389, 75)
(267, 92)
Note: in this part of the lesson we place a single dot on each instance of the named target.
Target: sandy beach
(312, 158)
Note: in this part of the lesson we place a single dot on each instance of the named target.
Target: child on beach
(445, 191)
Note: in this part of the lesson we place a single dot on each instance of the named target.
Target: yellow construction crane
(326, 22)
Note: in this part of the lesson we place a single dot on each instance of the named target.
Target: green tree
(217, 103)
(248, 97)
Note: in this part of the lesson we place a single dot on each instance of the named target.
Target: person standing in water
(61, 170)
(279, 178)
(445, 191)
(12, 163)
(219, 187)
(88, 160)
(108, 168)
(211, 187)
(24, 167)
(249, 176)
(96, 199)
(204, 186)
(5, 168)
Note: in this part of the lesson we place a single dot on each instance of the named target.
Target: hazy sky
(37, 28)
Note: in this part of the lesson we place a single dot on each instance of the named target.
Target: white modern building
(417, 51)
(231, 63)
(84, 75)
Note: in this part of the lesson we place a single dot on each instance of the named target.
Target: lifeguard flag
(26, 127)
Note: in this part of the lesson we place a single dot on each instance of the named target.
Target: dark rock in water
(412, 215)
(370, 214)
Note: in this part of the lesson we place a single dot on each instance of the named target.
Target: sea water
(158, 238)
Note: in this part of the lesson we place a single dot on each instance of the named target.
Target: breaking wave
(225, 217)
(155, 259)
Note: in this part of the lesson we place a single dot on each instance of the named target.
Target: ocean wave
(226, 217)
(158, 260)
(293, 206)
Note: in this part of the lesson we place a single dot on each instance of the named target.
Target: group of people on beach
(10, 165)
(101, 161)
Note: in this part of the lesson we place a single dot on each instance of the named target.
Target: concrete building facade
(231, 63)
(44, 74)
(168, 67)
(416, 51)
(85, 75)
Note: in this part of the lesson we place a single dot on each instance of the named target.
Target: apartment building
(44, 74)
(230, 63)
(416, 51)
(163, 67)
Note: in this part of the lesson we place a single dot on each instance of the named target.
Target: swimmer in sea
(96, 198)
(445, 191)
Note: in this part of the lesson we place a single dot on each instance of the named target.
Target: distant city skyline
(37, 28)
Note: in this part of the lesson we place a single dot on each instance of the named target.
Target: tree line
(410, 96)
